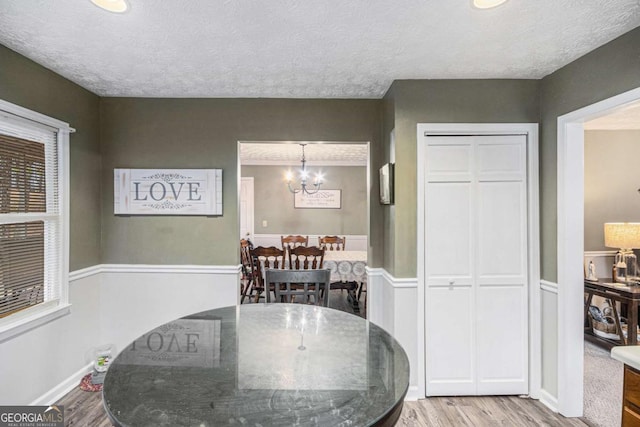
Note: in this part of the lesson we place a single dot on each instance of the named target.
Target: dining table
(348, 271)
(259, 365)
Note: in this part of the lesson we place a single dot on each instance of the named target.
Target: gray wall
(273, 202)
(611, 182)
(204, 133)
(29, 85)
(607, 71)
(388, 155)
(441, 101)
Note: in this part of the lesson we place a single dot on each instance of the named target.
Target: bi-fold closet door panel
(476, 265)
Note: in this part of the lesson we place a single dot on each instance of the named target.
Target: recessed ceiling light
(487, 4)
(116, 6)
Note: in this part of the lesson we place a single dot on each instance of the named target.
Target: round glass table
(259, 365)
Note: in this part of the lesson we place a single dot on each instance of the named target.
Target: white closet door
(449, 255)
(476, 289)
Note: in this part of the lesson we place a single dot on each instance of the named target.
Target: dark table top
(259, 365)
(608, 286)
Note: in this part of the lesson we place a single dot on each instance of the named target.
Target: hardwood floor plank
(85, 409)
(482, 411)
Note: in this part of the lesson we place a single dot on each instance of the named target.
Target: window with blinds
(30, 218)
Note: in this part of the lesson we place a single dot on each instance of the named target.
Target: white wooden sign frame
(323, 199)
(167, 191)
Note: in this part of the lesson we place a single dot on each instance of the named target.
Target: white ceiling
(625, 118)
(303, 49)
(290, 153)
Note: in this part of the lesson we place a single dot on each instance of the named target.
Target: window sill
(33, 320)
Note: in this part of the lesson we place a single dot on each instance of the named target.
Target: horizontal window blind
(22, 267)
(30, 217)
(22, 176)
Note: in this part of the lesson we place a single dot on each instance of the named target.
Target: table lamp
(624, 236)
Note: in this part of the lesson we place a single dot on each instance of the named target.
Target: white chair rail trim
(150, 268)
(405, 282)
(549, 286)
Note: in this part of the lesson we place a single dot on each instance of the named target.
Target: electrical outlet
(264, 222)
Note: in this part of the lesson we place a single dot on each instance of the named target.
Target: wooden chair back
(332, 243)
(299, 286)
(306, 258)
(262, 259)
(291, 241)
(248, 273)
(245, 257)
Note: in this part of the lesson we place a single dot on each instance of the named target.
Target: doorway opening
(571, 247)
(270, 207)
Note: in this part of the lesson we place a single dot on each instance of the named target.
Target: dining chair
(299, 286)
(332, 243)
(263, 258)
(248, 274)
(306, 258)
(292, 241)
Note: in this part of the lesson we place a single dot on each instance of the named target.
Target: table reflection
(259, 365)
(302, 344)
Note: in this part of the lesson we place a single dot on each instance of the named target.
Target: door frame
(530, 130)
(570, 241)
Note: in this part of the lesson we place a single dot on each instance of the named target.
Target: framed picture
(167, 191)
(386, 184)
(323, 199)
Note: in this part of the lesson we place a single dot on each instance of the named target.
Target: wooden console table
(627, 296)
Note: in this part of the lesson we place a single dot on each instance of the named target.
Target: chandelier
(304, 176)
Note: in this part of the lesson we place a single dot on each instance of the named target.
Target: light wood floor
(85, 409)
(482, 411)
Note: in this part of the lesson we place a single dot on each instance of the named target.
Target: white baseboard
(548, 400)
(56, 393)
(413, 394)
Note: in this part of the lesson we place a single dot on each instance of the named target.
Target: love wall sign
(167, 191)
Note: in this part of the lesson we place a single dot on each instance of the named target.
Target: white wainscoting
(393, 306)
(354, 242)
(109, 304)
(137, 298)
(113, 304)
(549, 350)
(44, 363)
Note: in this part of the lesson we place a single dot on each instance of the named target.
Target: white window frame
(40, 314)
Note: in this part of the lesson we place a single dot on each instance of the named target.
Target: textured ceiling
(304, 49)
(290, 153)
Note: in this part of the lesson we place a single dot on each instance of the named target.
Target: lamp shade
(622, 235)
